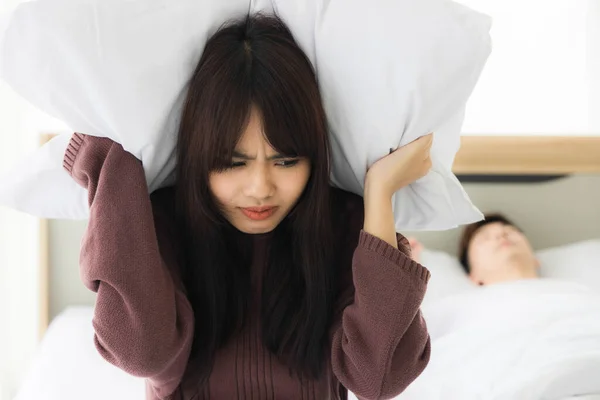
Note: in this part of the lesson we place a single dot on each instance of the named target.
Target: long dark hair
(255, 62)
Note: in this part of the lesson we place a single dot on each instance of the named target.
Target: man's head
(496, 250)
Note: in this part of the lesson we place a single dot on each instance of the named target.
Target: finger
(428, 165)
(422, 140)
(425, 142)
(429, 140)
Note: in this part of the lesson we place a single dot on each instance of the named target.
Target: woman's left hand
(400, 168)
(416, 248)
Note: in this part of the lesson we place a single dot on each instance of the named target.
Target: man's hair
(469, 232)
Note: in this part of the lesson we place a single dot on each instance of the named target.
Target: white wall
(18, 251)
(543, 76)
(593, 61)
(66, 288)
(551, 213)
(20, 126)
(20, 129)
(18, 255)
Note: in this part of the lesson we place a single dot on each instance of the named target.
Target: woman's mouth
(259, 213)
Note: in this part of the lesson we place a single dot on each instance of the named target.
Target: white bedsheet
(531, 339)
(67, 365)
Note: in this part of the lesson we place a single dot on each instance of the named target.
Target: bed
(496, 176)
(67, 365)
(529, 339)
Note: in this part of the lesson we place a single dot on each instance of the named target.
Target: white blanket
(67, 365)
(531, 339)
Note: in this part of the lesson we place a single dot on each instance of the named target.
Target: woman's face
(262, 186)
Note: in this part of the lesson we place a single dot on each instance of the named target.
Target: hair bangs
(292, 136)
(228, 116)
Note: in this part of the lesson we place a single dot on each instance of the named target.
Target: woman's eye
(237, 164)
(288, 163)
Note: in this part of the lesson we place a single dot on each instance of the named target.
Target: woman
(252, 277)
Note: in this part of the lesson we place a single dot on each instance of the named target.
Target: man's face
(500, 252)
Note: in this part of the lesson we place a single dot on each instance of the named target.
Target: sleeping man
(492, 251)
(509, 336)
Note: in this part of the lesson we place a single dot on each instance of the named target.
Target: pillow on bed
(406, 72)
(577, 262)
(447, 276)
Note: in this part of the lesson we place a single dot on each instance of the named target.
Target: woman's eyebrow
(243, 156)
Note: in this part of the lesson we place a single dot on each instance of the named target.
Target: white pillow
(40, 186)
(448, 278)
(112, 68)
(389, 73)
(577, 262)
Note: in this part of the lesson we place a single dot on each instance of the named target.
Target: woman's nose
(259, 184)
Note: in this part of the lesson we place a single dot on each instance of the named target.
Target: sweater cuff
(384, 249)
(85, 155)
(71, 153)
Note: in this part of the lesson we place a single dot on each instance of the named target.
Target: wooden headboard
(527, 155)
(478, 155)
(44, 268)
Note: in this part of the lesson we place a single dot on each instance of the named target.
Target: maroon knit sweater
(144, 323)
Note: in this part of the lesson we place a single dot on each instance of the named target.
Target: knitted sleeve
(380, 343)
(143, 321)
